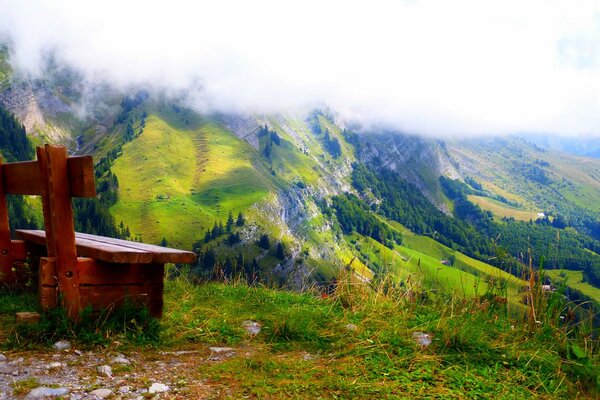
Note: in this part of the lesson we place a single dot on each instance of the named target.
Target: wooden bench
(76, 270)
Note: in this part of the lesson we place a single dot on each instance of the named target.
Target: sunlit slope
(175, 180)
(575, 280)
(421, 258)
(500, 209)
(537, 179)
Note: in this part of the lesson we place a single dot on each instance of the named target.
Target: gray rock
(61, 345)
(105, 370)
(3, 358)
(54, 365)
(422, 338)
(124, 389)
(158, 388)
(221, 349)
(42, 391)
(120, 360)
(252, 327)
(101, 393)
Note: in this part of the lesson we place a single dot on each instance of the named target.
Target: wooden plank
(58, 219)
(93, 272)
(24, 177)
(160, 255)
(110, 297)
(47, 272)
(103, 287)
(82, 179)
(93, 249)
(48, 297)
(18, 250)
(6, 270)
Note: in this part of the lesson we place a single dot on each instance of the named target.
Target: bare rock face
(418, 160)
(243, 126)
(33, 105)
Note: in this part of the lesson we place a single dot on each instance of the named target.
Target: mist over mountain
(429, 67)
(583, 146)
(368, 217)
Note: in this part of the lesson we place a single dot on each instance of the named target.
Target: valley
(178, 175)
(344, 200)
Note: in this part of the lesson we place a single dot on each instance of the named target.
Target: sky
(442, 68)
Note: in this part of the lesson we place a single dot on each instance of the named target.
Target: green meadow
(175, 181)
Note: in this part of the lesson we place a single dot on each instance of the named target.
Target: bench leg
(50, 288)
(154, 283)
(48, 283)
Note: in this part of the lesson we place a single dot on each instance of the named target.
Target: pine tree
(240, 219)
(229, 223)
(268, 150)
(264, 242)
(215, 231)
(280, 253)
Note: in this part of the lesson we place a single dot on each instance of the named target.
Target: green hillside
(183, 173)
(176, 180)
(575, 280)
(538, 179)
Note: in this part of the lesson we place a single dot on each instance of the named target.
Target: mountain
(582, 146)
(291, 199)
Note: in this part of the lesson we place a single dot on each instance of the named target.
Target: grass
(305, 348)
(23, 386)
(421, 257)
(575, 179)
(176, 180)
(5, 69)
(574, 279)
(500, 209)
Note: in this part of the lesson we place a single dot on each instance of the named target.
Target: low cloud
(431, 67)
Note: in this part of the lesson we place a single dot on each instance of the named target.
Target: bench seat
(115, 251)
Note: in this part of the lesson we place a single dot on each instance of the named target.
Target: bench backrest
(57, 178)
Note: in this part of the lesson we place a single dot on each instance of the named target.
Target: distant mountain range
(581, 146)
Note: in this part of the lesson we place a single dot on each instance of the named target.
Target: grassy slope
(420, 258)
(504, 210)
(575, 183)
(175, 180)
(467, 276)
(574, 279)
(5, 69)
(576, 179)
(306, 349)
(199, 172)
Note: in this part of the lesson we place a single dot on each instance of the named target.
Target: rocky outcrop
(38, 109)
(420, 161)
(243, 126)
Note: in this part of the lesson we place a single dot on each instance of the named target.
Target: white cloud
(433, 67)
